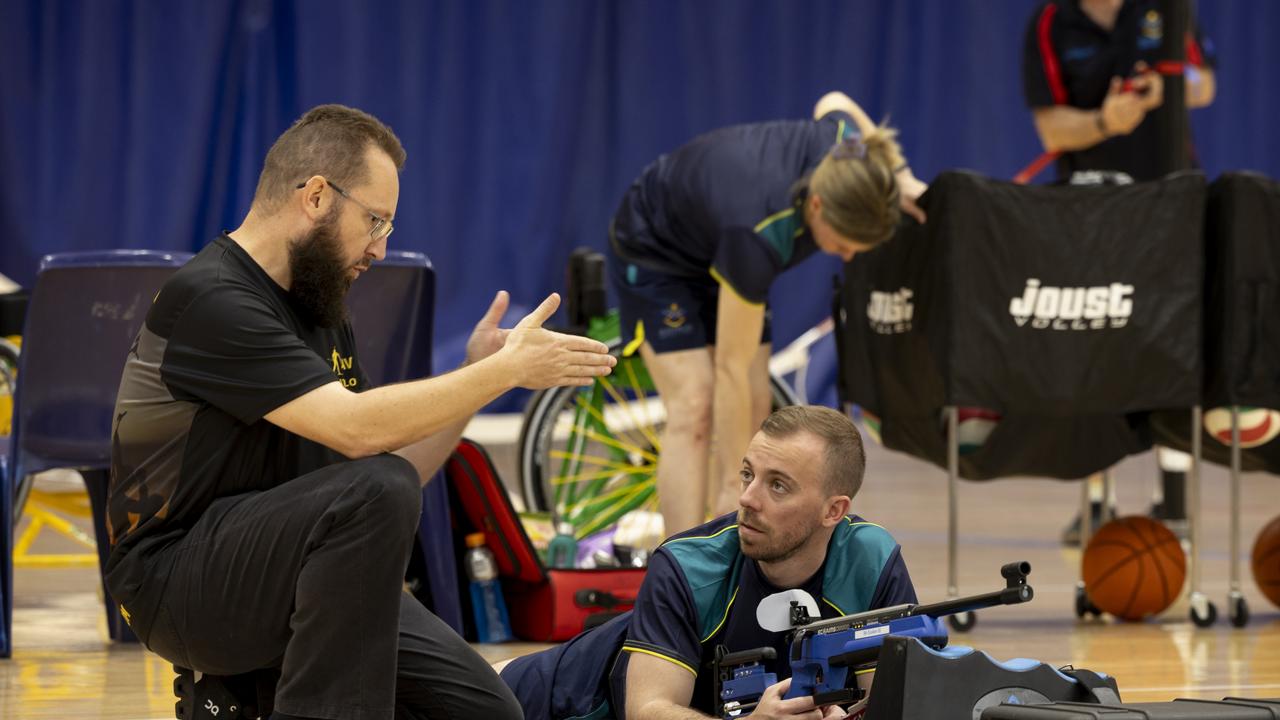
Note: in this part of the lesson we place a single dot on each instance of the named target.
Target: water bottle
(562, 551)
(492, 623)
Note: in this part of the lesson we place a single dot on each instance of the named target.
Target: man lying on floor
(793, 530)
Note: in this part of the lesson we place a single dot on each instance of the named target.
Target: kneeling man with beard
(793, 530)
(263, 498)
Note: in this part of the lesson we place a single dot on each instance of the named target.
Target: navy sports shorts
(670, 312)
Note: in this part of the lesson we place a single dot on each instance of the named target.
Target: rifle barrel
(1007, 596)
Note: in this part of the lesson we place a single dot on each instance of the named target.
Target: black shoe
(1071, 533)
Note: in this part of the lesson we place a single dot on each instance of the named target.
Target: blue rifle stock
(825, 654)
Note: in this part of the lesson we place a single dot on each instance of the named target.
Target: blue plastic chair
(391, 312)
(86, 310)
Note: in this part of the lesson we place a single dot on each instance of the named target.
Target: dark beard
(320, 274)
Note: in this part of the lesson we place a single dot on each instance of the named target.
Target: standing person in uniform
(794, 529)
(263, 498)
(1089, 79)
(695, 245)
(1077, 57)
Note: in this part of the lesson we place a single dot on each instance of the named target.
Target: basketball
(1134, 567)
(1266, 561)
(1258, 426)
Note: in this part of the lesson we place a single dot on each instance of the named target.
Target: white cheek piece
(774, 612)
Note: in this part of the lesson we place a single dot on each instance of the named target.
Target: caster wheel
(1238, 611)
(1209, 617)
(1085, 606)
(963, 622)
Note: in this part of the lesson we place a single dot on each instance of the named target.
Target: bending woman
(695, 245)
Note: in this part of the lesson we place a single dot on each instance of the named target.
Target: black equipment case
(1182, 709)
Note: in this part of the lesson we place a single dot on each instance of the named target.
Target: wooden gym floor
(63, 666)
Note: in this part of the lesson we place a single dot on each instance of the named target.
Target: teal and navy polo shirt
(700, 591)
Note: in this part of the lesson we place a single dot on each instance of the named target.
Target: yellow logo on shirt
(340, 367)
(1152, 26)
(673, 316)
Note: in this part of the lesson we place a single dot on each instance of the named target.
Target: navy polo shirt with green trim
(700, 591)
(724, 204)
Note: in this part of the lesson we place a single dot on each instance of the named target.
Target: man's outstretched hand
(538, 358)
(487, 338)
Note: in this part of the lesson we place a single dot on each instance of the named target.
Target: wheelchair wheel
(8, 385)
(591, 453)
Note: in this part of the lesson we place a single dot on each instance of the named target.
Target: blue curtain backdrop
(143, 124)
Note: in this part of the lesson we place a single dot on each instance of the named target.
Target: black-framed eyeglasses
(382, 227)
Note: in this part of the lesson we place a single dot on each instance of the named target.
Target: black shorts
(670, 312)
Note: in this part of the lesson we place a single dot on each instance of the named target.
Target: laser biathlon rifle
(823, 652)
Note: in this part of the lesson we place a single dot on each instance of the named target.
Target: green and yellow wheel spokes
(596, 487)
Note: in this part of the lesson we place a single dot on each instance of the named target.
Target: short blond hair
(857, 186)
(846, 459)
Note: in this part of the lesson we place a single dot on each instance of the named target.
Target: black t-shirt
(222, 346)
(723, 204)
(1068, 59)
